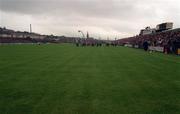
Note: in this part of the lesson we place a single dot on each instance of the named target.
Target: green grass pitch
(64, 79)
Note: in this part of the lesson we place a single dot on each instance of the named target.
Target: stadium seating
(168, 39)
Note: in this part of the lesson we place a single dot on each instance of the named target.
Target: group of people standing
(88, 42)
(93, 42)
(169, 46)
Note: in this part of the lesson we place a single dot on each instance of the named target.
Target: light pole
(81, 33)
(30, 29)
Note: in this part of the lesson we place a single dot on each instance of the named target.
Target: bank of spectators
(170, 40)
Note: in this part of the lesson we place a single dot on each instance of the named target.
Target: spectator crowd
(169, 40)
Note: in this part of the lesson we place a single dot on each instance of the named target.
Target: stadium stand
(11, 36)
(168, 40)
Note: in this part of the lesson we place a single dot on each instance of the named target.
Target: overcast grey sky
(102, 18)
